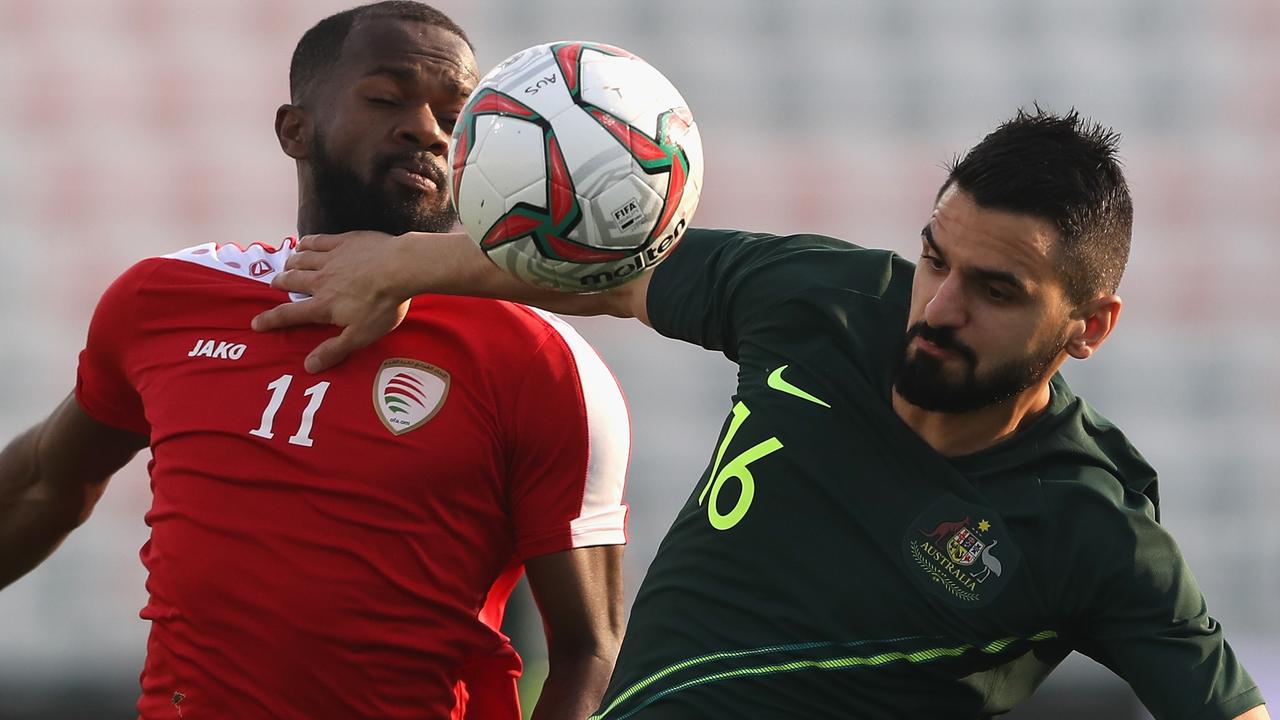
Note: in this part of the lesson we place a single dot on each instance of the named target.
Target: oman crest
(407, 393)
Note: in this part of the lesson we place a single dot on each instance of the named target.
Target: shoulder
(507, 334)
(1095, 495)
(561, 343)
(762, 265)
(1081, 456)
(134, 277)
(550, 369)
(805, 249)
(179, 283)
(501, 324)
(1102, 541)
(1101, 505)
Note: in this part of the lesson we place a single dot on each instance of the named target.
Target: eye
(384, 101)
(997, 294)
(934, 262)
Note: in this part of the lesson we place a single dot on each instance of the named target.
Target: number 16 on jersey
(736, 469)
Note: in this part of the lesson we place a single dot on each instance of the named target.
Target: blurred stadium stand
(135, 127)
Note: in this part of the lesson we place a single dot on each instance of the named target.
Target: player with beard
(908, 513)
(342, 545)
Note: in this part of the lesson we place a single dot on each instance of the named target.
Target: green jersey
(830, 563)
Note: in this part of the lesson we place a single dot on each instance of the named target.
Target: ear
(294, 130)
(1095, 320)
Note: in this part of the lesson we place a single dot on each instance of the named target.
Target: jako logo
(216, 349)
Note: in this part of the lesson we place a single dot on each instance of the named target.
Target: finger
(305, 312)
(306, 260)
(319, 243)
(298, 281)
(332, 351)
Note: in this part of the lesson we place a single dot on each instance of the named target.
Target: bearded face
(947, 377)
(378, 203)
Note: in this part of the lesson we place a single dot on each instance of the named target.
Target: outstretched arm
(50, 478)
(579, 594)
(362, 281)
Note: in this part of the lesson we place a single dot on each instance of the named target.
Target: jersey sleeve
(717, 282)
(103, 385)
(1144, 617)
(572, 444)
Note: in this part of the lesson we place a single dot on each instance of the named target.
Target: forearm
(362, 282)
(575, 685)
(454, 265)
(50, 478)
(34, 515)
(579, 595)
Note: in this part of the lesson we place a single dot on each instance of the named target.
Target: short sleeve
(103, 386)
(1144, 617)
(572, 440)
(716, 282)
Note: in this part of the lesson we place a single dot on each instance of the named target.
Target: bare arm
(50, 478)
(579, 594)
(361, 281)
(1258, 713)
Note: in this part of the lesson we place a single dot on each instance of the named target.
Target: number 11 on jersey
(736, 470)
(279, 387)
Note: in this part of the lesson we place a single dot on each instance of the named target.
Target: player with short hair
(908, 513)
(343, 545)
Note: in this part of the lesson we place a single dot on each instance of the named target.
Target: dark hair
(1064, 169)
(320, 46)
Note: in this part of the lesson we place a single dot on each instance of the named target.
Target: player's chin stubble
(349, 203)
(923, 380)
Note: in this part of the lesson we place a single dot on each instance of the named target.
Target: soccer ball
(575, 165)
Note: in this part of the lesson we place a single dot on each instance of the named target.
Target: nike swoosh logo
(777, 383)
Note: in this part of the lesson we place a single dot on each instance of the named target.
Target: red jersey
(341, 545)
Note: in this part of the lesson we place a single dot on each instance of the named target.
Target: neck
(312, 219)
(954, 434)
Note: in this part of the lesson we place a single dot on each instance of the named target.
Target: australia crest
(961, 552)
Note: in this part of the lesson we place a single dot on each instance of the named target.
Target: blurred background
(131, 128)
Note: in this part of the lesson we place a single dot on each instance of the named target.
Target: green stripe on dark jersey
(835, 663)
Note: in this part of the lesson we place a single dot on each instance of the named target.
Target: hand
(350, 279)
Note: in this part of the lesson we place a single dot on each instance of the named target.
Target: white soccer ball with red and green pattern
(575, 165)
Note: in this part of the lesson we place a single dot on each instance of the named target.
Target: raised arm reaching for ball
(362, 281)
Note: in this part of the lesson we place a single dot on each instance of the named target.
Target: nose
(418, 126)
(947, 306)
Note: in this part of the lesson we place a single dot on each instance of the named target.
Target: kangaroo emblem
(945, 530)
